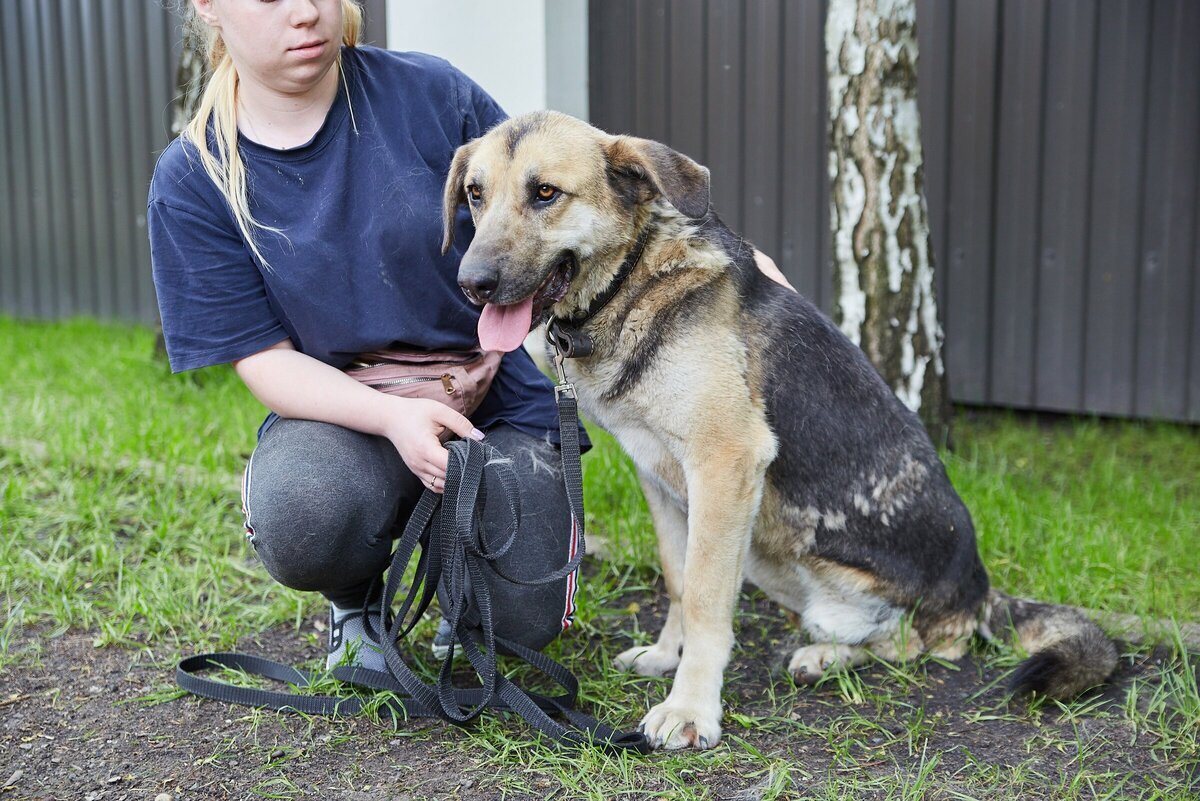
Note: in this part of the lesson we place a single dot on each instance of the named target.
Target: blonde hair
(219, 104)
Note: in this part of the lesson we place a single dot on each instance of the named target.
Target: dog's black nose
(479, 287)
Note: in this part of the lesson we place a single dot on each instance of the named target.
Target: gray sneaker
(442, 640)
(349, 643)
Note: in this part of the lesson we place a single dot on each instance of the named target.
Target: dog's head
(553, 199)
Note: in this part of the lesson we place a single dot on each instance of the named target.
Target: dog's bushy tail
(1068, 653)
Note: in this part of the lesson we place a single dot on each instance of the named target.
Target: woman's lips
(309, 49)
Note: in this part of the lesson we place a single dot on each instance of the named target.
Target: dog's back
(858, 495)
(855, 472)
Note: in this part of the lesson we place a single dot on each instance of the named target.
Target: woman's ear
(204, 10)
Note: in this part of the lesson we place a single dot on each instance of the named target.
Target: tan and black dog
(768, 447)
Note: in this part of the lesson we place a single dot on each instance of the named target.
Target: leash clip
(567, 389)
(563, 386)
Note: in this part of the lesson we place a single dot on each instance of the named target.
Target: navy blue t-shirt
(358, 264)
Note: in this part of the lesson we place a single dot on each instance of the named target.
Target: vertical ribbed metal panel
(686, 96)
(1110, 332)
(724, 74)
(1067, 131)
(85, 97)
(1062, 170)
(1016, 213)
(83, 89)
(935, 24)
(8, 165)
(652, 58)
(611, 99)
(972, 164)
(763, 44)
(22, 194)
(1167, 275)
(81, 259)
(803, 252)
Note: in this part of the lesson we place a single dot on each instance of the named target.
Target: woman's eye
(546, 192)
(474, 192)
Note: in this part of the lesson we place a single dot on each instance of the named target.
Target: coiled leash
(446, 534)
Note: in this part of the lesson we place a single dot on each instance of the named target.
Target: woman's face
(285, 45)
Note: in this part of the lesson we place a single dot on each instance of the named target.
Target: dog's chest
(655, 462)
(636, 432)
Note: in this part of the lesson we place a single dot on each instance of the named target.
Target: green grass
(119, 492)
(119, 516)
(1101, 514)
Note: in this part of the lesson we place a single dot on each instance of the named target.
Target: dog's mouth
(503, 327)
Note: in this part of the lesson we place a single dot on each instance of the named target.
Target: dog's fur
(767, 445)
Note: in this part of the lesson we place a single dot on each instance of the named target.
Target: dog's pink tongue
(504, 328)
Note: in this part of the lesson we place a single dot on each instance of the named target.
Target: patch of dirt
(72, 727)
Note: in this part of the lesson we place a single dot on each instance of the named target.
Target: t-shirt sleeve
(480, 111)
(211, 297)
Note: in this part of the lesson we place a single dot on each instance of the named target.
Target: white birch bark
(883, 265)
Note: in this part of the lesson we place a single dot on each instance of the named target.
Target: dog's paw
(672, 725)
(812, 662)
(648, 660)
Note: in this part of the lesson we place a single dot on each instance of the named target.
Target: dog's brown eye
(546, 192)
(474, 192)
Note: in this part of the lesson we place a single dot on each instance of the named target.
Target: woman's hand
(418, 431)
(292, 384)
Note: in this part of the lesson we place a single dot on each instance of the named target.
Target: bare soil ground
(77, 726)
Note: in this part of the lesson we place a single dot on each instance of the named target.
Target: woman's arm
(292, 384)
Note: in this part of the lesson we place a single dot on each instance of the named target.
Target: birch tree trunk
(883, 263)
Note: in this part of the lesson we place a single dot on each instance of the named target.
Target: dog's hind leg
(670, 525)
(848, 623)
(810, 663)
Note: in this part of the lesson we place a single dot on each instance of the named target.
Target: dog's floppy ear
(454, 195)
(643, 169)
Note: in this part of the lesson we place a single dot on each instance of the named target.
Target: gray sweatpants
(323, 503)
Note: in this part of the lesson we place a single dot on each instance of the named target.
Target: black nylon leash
(446, 534)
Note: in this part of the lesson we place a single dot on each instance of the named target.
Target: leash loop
(451, 545)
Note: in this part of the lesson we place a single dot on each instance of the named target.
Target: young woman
(295, 225)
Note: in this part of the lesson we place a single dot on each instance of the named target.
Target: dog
(768, 447)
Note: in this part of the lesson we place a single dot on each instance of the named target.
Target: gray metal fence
(76, 157)
(85, 96)
(1061, 142)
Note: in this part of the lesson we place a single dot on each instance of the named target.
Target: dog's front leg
(670, 527)
(724, 492)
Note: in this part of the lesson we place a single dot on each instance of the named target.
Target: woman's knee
(532, 615)
(320, 502)
(535, 616)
